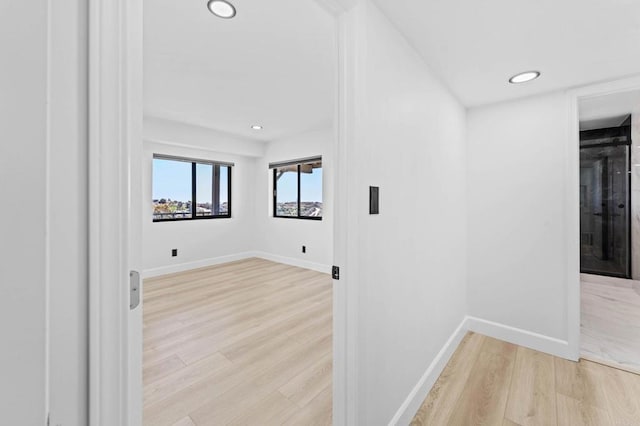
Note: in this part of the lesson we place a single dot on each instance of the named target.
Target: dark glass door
(605, 204)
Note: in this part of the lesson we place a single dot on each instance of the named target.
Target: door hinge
(134, 289)
(335, 272)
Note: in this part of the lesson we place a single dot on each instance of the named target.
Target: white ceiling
(616, 104)
(475, 46)
(272, 65)
(600, 112)
(603, 123)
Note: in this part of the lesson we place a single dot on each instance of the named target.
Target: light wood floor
(610, 321)
(247, 342)
(493, 383)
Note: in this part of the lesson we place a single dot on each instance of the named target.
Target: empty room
(313, 212)
(237, 225)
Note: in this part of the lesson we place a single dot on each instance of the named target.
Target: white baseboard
(528, 339)
(517, 336)
(181, 267)
(293, 262)
(416, 397)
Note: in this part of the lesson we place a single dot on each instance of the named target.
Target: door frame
(572, 197)
(115, 135)
(115, 206)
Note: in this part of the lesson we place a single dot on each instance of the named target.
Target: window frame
(275, 195)
(194, 199)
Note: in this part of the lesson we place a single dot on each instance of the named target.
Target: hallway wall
(410, 265)
(516, 165)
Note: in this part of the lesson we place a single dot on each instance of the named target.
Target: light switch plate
(374, 200)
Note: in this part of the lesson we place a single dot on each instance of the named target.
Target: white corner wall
(199, 242)
(252, 230)
(518, 230)
(282, 239)
(411, 258)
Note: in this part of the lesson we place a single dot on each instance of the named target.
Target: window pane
(311, 190)
(223, 198)
(204, 190)
(287, 191)
(171, 189)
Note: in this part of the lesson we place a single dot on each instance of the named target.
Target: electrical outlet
(304, 249)
(174, 252)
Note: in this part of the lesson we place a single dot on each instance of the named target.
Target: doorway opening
(610, 228)
(238, 178)
(605, 197)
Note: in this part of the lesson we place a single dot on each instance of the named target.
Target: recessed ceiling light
(256, 127)
(222, 8)
(523, 77)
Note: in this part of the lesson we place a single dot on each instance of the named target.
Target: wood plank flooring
(490, 382)
(610, 321)
(247, 342)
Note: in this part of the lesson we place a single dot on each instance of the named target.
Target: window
(186, 189)
(297, 189)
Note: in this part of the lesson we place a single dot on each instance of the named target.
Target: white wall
(283, 238)
(43, 271)
(199, 242)
(411, 258)
(68, 215)
(252, 230)
(517, 168)
(23, 84)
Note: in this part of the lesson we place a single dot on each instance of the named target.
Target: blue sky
(172, 179)
(310, 183)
